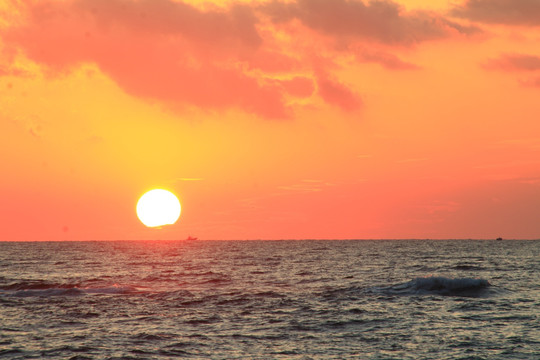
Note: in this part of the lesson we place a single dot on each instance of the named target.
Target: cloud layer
(508, 12)
(379, 20)
(156, 49)
(221, 58)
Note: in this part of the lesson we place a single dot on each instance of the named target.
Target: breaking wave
(441, 286)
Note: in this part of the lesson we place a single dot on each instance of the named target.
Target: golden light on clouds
(399, 105)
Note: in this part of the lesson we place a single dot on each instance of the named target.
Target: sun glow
(158, 207)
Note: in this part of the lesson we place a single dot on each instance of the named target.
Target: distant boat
(191, 238)
(499, 238)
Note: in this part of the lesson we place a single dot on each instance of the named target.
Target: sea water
(270, 300)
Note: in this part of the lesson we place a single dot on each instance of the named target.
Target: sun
(158, 207)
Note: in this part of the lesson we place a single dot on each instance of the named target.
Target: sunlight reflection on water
(270, 299)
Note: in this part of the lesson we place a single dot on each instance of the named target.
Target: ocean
(380, 299)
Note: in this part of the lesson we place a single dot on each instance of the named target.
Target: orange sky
(270, 119)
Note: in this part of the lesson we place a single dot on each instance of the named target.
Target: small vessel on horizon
(192, 238)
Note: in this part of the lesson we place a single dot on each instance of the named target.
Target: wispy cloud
(12, 71)
(412, 160)
(531, 82)
(386, 60)
(529, 143)
(437, 207)
(306, 186)
(514, 62)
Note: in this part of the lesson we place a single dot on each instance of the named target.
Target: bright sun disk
(158, 207)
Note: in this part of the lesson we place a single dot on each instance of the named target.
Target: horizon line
(285, 239)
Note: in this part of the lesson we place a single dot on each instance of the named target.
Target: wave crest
(442, 286)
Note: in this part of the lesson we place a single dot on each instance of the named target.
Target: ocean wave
(48, 292)
(468, 267)
(24, 285)
(38, 288)
(115, 289)
(441, 286)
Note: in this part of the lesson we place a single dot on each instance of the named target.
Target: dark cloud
(231, 27)
(508, 12)
(379, 20)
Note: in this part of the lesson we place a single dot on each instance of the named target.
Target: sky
(297, 119)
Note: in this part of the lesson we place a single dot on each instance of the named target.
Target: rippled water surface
(270, 300)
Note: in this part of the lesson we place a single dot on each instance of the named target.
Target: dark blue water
(270, 300)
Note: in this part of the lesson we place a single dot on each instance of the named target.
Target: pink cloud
(220, 58)
(12, 71)
(336, 93)
(155, 49)
(386, 60)
(514, 62)
(509, 12)
(272, 62)
(532, 82)
(299, 86)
